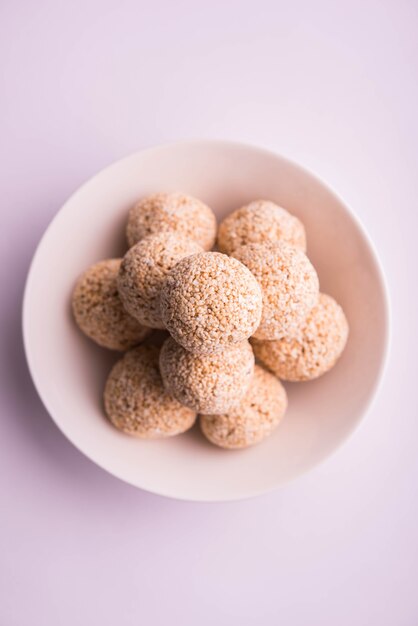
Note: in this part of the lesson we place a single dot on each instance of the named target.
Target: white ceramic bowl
(69, 371)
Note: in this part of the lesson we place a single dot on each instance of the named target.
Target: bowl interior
(69, 371)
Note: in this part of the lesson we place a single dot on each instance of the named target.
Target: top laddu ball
(210, 301)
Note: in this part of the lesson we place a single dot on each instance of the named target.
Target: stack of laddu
(256, 296)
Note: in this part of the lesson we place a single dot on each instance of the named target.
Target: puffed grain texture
(172, 212)
(258, 222)
(289, 285)
(254, 419)
(137, 403)
(98, 309)
(211, 383)
(314, 349)
(143, 271)
(210, 301)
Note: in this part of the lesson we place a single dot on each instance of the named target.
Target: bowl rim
(387, 314)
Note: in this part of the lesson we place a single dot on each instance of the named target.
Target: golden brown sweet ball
(289, 285)
(136, 401)
(254, 419)
(210, 301)
(259, 222)
(172, 212)
(210, 383)
(143, 271)
(313, 350)
(98, 309)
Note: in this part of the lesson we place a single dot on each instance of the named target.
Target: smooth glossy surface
(69, 371)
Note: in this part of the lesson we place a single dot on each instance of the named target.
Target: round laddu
(135, 399)
(289, 284)
(172, 212)
(210, 301)
(98, 309)
(143, 271)
(314, 350)
(212, 383)
(258, 222)
(254, 419)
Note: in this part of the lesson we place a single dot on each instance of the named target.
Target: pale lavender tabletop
(330, 85)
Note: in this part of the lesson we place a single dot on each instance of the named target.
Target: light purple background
(332, 85)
